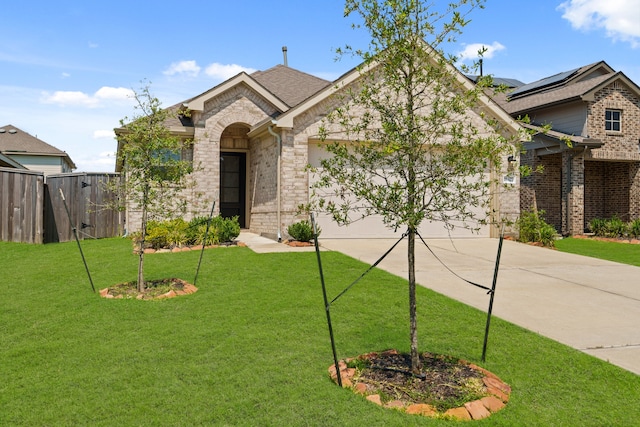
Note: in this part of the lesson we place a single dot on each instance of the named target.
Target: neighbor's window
(612, 120)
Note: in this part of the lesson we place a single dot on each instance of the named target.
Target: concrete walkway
(589, 304)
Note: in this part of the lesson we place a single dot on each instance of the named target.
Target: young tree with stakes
(155, 175)
(408, 141)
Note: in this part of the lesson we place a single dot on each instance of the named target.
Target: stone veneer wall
(263, 185)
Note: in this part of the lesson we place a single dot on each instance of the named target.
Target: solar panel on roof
(547, 81)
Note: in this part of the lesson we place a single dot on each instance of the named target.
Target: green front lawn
(613, 251)
(251, 347)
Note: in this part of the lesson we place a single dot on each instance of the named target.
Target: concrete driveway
(586, 303)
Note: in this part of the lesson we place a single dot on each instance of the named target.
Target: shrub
(167, 234)
(597, 226)
(615, 227)
(533, 228)
(224, 229)
(178, 232)
(301, 231)
(196, 231)
(634, 228)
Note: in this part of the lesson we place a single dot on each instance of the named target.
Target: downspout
(279, 145)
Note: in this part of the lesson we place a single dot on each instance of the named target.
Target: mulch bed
(445, 387)
(155, 289)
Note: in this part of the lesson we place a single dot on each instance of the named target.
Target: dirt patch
(154, 289)
(298, 243)
(445, 387)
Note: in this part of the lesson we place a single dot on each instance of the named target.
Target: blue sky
(68, 67)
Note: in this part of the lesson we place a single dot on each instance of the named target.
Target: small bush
(597, 226)
(178, 232)
(167, 234)
(634, 228)
(615, 227)
(224, 229)
(301, 231)
(533, 228)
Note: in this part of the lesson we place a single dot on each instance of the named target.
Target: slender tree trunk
(143, 238)
(411, 255)
(141, 257)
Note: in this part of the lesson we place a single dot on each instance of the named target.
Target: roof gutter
(278, 166)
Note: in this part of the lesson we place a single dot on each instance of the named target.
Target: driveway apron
(589, 304)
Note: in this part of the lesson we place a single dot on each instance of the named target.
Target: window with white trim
(613, 120)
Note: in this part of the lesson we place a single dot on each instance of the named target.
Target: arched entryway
(234, 148)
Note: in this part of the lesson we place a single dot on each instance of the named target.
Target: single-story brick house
(591, 156)
(253, 137)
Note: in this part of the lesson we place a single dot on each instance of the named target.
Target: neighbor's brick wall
(606, 190)
(619, 180)
(621, 145)
(598, 189)
(542, 191)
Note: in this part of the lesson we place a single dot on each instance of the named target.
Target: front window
(612, 120)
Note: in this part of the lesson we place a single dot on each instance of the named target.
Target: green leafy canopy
(410, 141)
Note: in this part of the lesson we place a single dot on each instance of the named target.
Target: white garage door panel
(372, 226)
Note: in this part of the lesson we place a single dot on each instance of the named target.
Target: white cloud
(619, 18)
(188, 68)
(93, 45)
(77, 98)
(226, 71)
(470, 51)
(115, 93)
(68, 98)
(103, 133)
(66, 75)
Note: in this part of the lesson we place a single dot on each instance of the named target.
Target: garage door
(372, 226)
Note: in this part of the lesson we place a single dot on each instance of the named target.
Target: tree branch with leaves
(411, 140)
(155, 174)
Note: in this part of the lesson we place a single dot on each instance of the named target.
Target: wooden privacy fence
(90, 205)
(21, 205)
(33, 211)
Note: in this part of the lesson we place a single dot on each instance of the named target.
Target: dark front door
(233, 168)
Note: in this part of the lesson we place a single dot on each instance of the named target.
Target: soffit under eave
(197, 103)
(543, 144)
(11, 162)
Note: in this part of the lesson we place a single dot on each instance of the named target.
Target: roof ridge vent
(3, 130)
(13, 131)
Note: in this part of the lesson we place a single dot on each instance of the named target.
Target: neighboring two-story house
(20, 150)
(591, 155)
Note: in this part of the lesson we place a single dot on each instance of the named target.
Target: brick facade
(581, 184)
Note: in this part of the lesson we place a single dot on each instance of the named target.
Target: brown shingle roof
(15, 140)
(288, 84)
